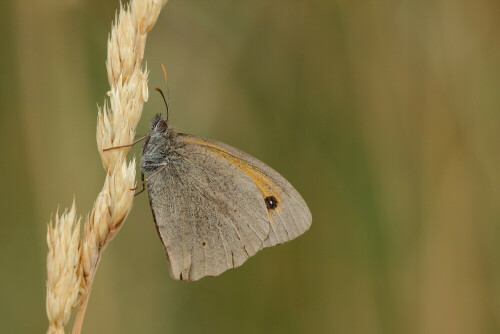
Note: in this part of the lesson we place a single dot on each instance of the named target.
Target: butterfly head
(158, 124)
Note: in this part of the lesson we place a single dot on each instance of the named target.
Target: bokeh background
(385, 115)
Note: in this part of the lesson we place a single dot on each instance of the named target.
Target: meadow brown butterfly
(214, 206)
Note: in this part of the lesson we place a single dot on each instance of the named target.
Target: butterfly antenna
(168, 92)
(164, 100)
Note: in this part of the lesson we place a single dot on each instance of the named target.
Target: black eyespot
(271, 202)
(204, 243)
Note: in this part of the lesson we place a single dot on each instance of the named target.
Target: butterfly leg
(149, 177)
(143, 185)
(129, 145)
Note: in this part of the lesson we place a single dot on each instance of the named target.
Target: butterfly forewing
(291, 216)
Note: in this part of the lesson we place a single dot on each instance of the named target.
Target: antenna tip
(164, 73)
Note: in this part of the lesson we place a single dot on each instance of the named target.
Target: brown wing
(291, 217)
(216, 206)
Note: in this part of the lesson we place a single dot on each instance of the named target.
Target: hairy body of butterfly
(215, 206)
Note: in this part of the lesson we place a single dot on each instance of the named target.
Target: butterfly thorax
(160, 147)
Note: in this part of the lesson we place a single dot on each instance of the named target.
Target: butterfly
(215, 206)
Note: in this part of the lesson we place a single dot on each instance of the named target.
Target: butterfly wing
(216, 206)
(291, 217)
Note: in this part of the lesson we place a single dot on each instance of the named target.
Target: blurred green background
(385, 115)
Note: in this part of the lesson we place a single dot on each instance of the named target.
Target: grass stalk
(72, 260)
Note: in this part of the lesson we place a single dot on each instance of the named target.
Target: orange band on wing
(266, 186)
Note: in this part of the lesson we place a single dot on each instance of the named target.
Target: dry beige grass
(63, 270)
(72, 261)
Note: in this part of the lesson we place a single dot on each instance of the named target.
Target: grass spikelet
(72, 262)
(63, 269)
